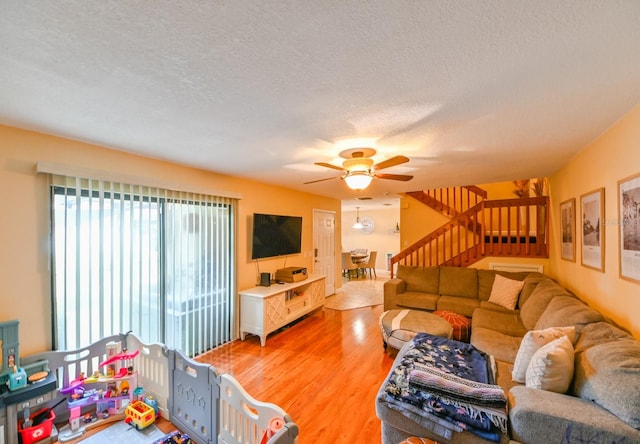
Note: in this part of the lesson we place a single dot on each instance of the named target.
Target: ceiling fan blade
(402, 177)
(322, 180)
(396, 160)
(328, 165)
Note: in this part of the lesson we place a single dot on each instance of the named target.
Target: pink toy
(119, 357)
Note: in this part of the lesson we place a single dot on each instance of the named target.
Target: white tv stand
(265, 309)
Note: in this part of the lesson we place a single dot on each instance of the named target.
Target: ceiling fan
(359, 168)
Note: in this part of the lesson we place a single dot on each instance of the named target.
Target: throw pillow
(531, 342)
(551, 367)
(505, 292)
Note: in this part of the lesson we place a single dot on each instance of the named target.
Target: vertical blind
(153, 261)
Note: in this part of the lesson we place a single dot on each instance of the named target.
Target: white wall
(383, 239)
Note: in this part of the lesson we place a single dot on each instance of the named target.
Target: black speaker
(265, 279)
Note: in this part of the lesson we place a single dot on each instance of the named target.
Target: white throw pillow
(551, 367)
(505, 292)
(531, 342)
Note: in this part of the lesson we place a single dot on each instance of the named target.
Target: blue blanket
(450, 380)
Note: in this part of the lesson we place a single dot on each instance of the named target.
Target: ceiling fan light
(358, 180)
(362, 164)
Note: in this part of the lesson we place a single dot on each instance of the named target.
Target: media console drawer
(297, 304)
(263, 310)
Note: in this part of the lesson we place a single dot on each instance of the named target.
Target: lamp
(359, 173)
(358, 180)
(357, 225)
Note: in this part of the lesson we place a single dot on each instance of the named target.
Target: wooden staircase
(478, 228)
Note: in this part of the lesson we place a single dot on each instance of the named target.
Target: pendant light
(357, 225)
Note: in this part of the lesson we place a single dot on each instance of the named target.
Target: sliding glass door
(152, 261)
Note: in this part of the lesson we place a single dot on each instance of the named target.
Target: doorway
(324, 248)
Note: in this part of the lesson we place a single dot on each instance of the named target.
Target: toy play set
(132, 382)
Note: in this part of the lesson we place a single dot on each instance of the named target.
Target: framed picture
(568, 226)
(629, 213)
(592, 210)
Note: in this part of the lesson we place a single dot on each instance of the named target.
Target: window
(134, 258)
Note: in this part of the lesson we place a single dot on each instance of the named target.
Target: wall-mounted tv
(275, 235)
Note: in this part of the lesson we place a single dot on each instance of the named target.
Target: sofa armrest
(541, 416)
(392, 288)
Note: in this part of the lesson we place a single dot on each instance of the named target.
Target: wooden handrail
(506, 227)
(450, 201)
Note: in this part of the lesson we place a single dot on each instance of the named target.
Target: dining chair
(348, 265)
(370, 264)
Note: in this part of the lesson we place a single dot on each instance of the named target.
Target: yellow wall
(615, 155)
(24, 219)
(417, 220)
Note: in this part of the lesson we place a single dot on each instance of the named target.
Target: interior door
(324, 248)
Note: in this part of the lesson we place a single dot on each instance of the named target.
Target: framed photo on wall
(629, 214)
(568, 227)
(592, 210)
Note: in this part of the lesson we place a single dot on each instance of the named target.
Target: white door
(324, 247)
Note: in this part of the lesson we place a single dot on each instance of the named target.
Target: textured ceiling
(471, 91)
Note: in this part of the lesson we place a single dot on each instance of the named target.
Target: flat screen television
(275, 235)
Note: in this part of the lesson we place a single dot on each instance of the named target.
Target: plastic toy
(124, 356)
(17, 379)
(175, 437)
(139, 415)
(111, 396)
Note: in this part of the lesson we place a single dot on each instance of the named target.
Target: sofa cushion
(485, 283)
(598, 333)
(419, 278)
(608, 375)
(507, 323)
(530, 283)
(532, 342)
(551, 367)
(418, 299)
(565, 311)
(464, 306)
(538, 416)
(495, 307)
(502, 347)
(505, 292)
(535, 305)
(459, 281)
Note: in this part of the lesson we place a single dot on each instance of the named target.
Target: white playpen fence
(210, 407)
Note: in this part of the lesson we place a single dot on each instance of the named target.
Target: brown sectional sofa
(602, 404)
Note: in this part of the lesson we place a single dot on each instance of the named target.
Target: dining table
(358, 258)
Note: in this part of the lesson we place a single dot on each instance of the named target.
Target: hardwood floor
(324, 370)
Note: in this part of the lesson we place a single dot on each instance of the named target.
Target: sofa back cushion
(530, 283)
(485, 283)
(564, 311)
(537, 303)
(598, 333)
(608, 375)
(459, 281)
(420, 279)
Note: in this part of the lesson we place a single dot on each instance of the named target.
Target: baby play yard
(126, 385)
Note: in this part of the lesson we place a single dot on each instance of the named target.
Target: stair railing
(451, 201)
(506, 227)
